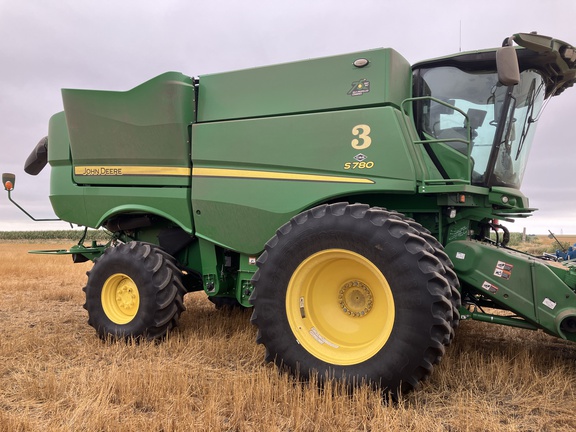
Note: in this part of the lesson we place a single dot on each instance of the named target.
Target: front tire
(449, 273)
(352, 293)
(134, 290)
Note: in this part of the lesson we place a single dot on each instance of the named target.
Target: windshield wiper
(529, 119)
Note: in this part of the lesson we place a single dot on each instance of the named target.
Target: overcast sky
(116, 45)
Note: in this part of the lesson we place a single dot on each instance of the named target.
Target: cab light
(361, 62)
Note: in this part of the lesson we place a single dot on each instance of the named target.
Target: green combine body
(348, 199)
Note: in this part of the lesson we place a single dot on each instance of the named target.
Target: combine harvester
(349, 200)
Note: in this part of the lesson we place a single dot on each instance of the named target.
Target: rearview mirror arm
(28, 214)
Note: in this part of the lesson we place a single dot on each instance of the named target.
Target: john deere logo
(359, 88)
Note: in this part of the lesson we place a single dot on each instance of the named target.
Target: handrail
(468, 142)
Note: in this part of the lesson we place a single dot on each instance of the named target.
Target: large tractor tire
(353, 293)
(135, 291)
(455, 296)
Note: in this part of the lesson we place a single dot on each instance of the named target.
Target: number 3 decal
(361, 131)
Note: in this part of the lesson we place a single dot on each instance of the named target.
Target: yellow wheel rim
(340, 307)
(120, 298)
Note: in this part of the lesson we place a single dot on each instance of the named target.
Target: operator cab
(475, 127)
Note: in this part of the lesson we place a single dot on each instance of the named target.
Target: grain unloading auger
(239, 184)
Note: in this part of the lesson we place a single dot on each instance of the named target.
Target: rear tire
(352, 293)
(134, 290)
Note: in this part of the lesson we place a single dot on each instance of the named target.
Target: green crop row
(74, 235)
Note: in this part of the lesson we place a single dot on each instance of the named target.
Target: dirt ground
(209, 375)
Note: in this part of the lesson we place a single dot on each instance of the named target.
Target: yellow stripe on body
(113, 170)
(274, 175)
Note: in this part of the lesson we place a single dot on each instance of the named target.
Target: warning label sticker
(503, 270)
(489, 287)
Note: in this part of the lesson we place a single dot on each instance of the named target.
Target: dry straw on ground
(56, 375)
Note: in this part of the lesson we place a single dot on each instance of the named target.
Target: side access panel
(251, 176)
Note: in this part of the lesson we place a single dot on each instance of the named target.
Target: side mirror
(8, 180)
(38, 158)
(507, 65)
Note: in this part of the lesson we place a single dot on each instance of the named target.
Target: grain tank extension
(349, 200)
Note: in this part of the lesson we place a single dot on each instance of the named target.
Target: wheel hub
(355, 299)
(120, 298)
(125, 296)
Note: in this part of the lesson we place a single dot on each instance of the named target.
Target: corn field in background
(72, 235)
(209, 375)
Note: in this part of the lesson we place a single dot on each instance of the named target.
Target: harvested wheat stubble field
(56, 375)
